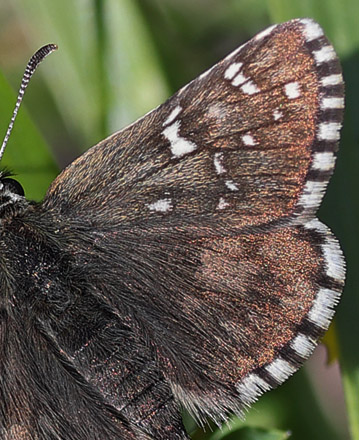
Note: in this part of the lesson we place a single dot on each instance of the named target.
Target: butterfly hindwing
(228, 317)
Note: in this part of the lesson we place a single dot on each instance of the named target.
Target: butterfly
(179, 262)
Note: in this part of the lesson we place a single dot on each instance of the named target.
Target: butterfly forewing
(199, 275)
(238, 143)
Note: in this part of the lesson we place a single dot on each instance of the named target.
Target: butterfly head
(12, 196)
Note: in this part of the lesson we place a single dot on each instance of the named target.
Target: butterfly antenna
(35, 60)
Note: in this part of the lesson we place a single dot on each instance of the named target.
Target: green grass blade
(106, 73)
(74, 79)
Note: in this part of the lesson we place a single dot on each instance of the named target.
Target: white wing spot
(312, 30)
(222, 203)
(248, 140)
(277, 115)
(334, 264)
(162, 205)
(232, 70)
(324, 55)
(238, 80)
(251, 387)
(292, 90)
(323, 161)
(250, 88)
(332, 80)
(172, 116)
(303, 345)
(332, 102)
(329, 131)
(218, 158)
(312, 194)
(231, 185)
(280, 369)
(317, 226)
(179, 146)
(322, 310)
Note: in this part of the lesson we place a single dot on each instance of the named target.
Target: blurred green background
(118, 59)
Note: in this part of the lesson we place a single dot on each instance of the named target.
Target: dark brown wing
(250, 141)
(227, 317)
(194, 228)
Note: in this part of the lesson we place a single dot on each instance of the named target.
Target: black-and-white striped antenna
(35, 60)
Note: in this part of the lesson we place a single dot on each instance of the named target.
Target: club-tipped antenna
(35, 60)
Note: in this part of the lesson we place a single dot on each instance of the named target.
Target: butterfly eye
(13, 186)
